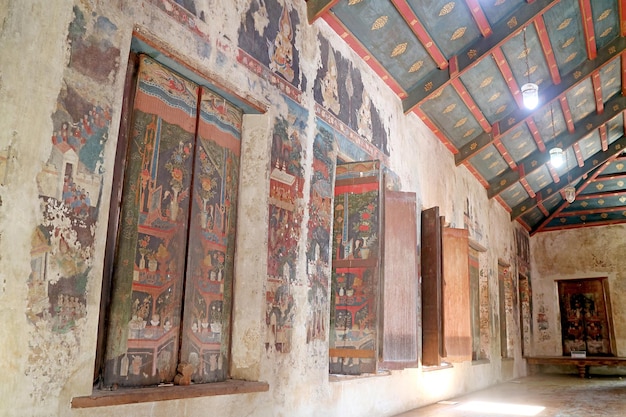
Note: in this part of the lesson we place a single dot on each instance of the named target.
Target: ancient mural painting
(347, 99)
(285, 215)
(70, 186)
(185, 13)
(318, 239)
(267, 46)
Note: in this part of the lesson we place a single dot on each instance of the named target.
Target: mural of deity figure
(364, 118)
(330, 92)
(281, 51)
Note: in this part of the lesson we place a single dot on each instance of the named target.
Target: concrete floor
(545, 395)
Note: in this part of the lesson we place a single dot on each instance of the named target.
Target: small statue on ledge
(183, 377)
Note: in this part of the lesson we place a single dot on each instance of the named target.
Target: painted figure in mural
(330, 92)
(364, 117)
(281, 51)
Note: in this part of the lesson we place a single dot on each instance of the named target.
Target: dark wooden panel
(456, 318)
(432, 341)
(399, 310)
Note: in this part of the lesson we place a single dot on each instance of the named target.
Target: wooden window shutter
(400, 284)
(432, 308)
(456, 299)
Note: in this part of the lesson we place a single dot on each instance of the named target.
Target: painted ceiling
(459, 66)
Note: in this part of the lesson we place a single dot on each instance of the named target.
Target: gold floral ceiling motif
(416, 66)
(599, 186)
(604, 215)
(619, 166)
(622, 199)
(399, 49)
(353, 2)
(564, 23)
(620, 183)
(458, 33)
(568, 42)
(449, 108)
(447, 8)
(460, 122)
(486, 82)
(601, 202)
(571, 57)
(469, 133)
(584, 204)
(494, 97)
(501, 109)
(606, 32)
(380, 22)
(604, 15)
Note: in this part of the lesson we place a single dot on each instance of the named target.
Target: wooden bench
(582, 364)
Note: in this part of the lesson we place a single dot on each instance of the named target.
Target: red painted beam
(418, 29)
(534, 131)
(567, 114)
(604, 138)
(479, 17)
(621, 6)
(555, 176)
(623, 59)
(507, 73)
(587, 22)
(546, 46)
(505, 154)
(358, 47)
(471, 105)
(597, 91)
(476, 174)
(433, 127)
(579, 154)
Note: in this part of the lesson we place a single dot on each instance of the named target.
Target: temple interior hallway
(545, 395)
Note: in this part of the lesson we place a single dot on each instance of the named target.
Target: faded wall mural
(267, 42)
(348, 100)
(320, 218)
(70, 188)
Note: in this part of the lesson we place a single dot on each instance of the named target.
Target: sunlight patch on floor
(501, 408)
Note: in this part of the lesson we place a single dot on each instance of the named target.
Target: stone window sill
(101, 398)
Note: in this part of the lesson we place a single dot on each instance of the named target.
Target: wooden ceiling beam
(471, 104)
(515, 118)
(621, 6)
(420, 31)
(604, 141)
(588, 29)
(479, 17)
(538, 158)
(507, 74)
(316, 8)
(599, 158)
(597, 91)
(567, 114)
(477, 50)
(548, 53)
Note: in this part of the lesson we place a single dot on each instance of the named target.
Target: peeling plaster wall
(578, 253)
(61, 81)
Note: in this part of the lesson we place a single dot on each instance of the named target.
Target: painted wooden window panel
(173, 184)
(355, 270)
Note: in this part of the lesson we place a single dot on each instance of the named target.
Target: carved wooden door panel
(585, 318)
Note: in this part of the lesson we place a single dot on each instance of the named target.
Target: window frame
(102, 397)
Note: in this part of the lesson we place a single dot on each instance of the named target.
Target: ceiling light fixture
(530, 91)
(557, 158)
(569, 190)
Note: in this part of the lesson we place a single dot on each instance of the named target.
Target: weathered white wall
(594, 252)
(44, 369)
